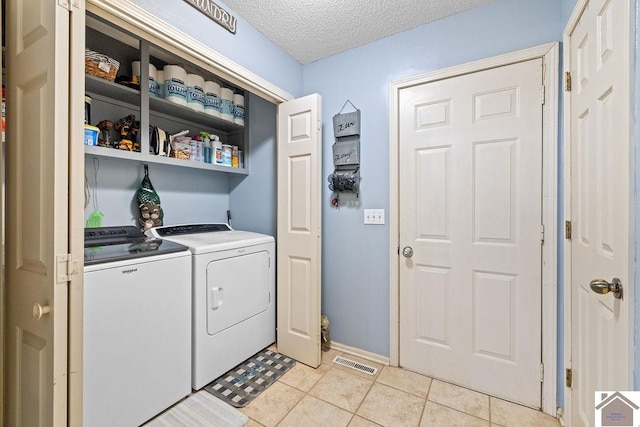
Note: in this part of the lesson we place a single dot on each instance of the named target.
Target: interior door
(39, 147)
(2, 216)
(299, 245)
(470, 230)
(598, 112)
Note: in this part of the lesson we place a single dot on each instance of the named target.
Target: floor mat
(243, 383)
(200, 410)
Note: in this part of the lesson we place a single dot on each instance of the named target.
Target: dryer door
(237, 289)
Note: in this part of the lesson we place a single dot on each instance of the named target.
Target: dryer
(233, 295)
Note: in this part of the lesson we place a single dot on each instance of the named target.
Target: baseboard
(373, 357)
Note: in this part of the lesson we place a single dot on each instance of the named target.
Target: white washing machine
(233, 277)
(136, 327)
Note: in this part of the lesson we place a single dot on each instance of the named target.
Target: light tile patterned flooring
(333, 395)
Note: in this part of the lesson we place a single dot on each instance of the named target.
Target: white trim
(550, 221)
(363, 354)
(130, 15)
(566, 247)
(550, 55)
(75, 337)
(394, 226)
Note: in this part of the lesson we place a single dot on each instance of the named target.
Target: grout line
(408, 392)
(430, 386)
(306, 393)
(365, 396)
(489, 409)
(426, 400)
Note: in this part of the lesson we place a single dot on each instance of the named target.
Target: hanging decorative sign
(215, 12)
(346, 124)
(346, 154)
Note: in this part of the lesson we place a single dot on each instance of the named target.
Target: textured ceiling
(310, 30)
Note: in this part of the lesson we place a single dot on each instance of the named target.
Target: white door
(470, 211)
(39, 154)
(299, 242)
(598, 114)
(2, 216)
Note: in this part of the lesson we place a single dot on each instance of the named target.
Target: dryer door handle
(217, 297)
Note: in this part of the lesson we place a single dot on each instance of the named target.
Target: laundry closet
(165, 113)
(190, 190)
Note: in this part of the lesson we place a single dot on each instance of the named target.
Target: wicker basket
(99, 65)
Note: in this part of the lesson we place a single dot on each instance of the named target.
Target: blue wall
(253, 198)
(567, 9)
(356, 257)
(187, 195)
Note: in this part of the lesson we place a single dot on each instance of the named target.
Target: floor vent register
(355, 365)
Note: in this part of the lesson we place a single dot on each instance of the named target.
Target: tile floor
(333, 395)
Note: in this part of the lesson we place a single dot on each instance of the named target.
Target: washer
(137, 326)
(233, 279)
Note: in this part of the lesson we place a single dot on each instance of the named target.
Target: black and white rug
(243, 383)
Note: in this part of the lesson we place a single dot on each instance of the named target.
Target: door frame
(630, 289)
(550, 55)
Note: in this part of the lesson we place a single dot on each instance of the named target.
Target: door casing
(550, 55)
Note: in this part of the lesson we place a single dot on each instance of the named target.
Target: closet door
(299, 228)
(43, 141)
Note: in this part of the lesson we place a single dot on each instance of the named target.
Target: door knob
(601, 286)
(407, 252)
(39, 311)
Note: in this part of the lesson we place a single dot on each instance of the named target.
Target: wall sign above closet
(215, 12)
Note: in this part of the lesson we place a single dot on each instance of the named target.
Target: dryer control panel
(179, 230)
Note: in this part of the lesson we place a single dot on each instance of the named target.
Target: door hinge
(567, 81)
(568, 379)
(542, 372)
(69, 4)
(542, 233)
(567, 230)
(542, 96)
(65, 268)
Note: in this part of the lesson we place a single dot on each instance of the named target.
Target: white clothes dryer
(233, 288)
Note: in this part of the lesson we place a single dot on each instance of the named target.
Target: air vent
(355, 365)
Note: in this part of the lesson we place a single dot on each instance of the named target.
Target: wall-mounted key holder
(346, 154)
(343, 181)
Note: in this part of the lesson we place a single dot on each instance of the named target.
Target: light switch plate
(374, 216)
